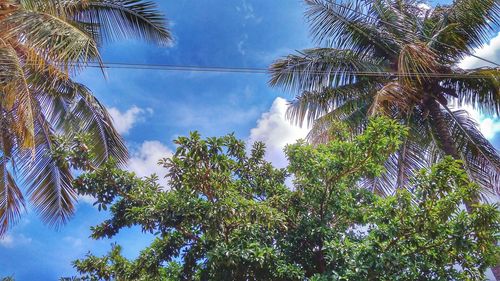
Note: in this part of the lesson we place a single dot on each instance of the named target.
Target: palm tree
(399, 58)
(42, 43)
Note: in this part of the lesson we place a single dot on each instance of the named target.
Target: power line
(222, 69)
(196, 68)
(411, 31)
(265, 70)
(256, 70)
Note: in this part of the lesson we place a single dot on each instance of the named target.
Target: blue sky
(151, 108)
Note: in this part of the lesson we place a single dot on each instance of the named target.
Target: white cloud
(488, 125)
(424, 9)
(276, 132)
(124, 121)
(144, 160)
(490, 51)
(12, 240)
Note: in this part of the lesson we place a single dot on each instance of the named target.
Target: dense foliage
(42, 43)
(227, 214)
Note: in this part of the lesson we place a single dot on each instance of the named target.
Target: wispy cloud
(241, 44)
(247, 11)
(12, 240)
(214, 114)
(74, 242)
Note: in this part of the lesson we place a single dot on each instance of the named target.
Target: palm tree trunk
(449, 148)
(442, 132)
(444, 137)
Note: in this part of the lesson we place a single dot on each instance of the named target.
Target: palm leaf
(345, 26)
(394, 95)
(353, 114)
(311, 105)
(481, 159)
(41, 44)
(468, 24)
(88, 115)
(416, 61)
(315, 69)
(53, 38)
(11, 198)
(17, 98)
(116, 19)
(49, 182)
(479, 88)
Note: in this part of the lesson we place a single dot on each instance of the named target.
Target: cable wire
(222, 69)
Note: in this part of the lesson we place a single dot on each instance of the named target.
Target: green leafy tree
(397, 58)
(228, 215)
(42, 43)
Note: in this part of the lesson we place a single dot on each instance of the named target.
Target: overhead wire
(265, 70)
(223, 69)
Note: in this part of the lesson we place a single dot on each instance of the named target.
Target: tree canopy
(228, 214)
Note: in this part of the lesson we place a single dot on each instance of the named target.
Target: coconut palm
(42, 43)
(399, 58)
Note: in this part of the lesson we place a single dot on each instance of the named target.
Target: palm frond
(53, 38)
(344, 25)
(315, 69)
(311, 105)
(49, 182)
(416, 61)
(394, 95)
(36, 66)
(118, 19)
(55, 93)
(481, 159)
(352, 114)
(17, 98)
(88, 115)
(11, 198)
(468, 24)
(41, 44)
(400, 19)
(481, 92)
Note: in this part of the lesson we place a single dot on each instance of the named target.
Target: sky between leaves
(151, 108)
